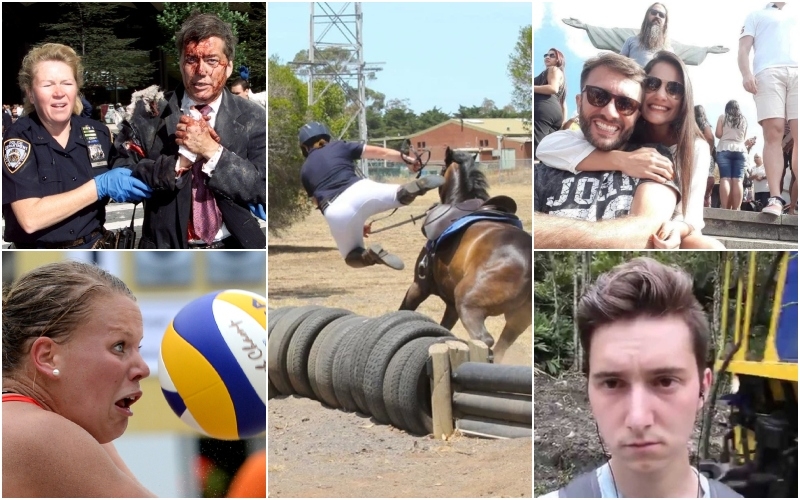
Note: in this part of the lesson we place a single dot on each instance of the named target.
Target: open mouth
(605, 128)
(126, 402)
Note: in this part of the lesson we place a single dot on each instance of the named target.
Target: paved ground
(118, 215)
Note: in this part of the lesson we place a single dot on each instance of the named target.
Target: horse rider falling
(348, 200)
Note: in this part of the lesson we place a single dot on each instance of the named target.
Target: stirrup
(422, 267)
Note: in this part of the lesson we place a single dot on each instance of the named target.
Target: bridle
(420, 155)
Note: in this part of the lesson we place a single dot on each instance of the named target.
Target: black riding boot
(375, 254)
(407, 192)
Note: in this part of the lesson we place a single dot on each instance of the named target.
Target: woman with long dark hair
(731, 132)
(667, 117)
(705, 128)
(549, 91)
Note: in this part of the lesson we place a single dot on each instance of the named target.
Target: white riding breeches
(351, 209)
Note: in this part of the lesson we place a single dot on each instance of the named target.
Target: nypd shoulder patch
(15, 152)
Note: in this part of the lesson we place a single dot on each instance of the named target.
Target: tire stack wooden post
(476, 397)
(383, 367)
(441, 394)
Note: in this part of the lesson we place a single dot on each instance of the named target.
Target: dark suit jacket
(239, 179)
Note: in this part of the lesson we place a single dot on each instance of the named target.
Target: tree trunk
(717, 338)
(716, 335)
(586, 279)
(553, 271)
(576, 292)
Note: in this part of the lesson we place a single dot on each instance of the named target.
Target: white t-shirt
(774, 33)
(633, 49)
(565, 149)
(211, 164)
(608, 490)
(759, 186)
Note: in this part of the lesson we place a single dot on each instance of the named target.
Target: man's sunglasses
(550, 55)
(600, 98)
(676, 90)
(658, 13)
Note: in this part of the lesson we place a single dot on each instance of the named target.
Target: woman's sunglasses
(550, 55)
(676, 90)
(658, 13)
(600, 98)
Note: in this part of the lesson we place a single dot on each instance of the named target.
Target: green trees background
(111, 62)
(386, 117)
(248, 27)
(108, 61)
(561, 277)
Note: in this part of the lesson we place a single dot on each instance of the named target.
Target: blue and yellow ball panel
(786, 336)
(252, 304)
(199, 386)
(211, 357)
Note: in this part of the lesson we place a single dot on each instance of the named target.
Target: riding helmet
(313, 130)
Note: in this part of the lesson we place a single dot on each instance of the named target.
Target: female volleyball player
(71, 372)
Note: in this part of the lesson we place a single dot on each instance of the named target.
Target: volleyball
(212, 364)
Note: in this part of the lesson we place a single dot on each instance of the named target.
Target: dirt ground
(564, 434)
(320, 452)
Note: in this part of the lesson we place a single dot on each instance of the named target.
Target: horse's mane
(473, 184)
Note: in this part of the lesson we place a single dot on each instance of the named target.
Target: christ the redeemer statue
(614, 38)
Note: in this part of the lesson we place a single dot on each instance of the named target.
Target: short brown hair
(51, 301)
(241, 82)
(201, 26)
(643, 287)
(49, 52)
(625, 66)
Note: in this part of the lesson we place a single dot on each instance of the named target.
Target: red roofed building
(494, 139)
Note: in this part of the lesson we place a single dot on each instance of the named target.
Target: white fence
(378, 170)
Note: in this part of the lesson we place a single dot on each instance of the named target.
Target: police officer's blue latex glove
(258, 211)
(118, 184)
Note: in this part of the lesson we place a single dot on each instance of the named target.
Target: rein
(420, 155)
(411, 219)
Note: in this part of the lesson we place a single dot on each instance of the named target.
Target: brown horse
(485, 270)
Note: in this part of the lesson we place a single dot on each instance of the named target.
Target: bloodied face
(205, 68)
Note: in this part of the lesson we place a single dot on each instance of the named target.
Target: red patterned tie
(206, 217)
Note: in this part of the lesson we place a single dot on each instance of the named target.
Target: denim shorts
(731, 164)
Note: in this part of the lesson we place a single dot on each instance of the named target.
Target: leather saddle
(440, 217)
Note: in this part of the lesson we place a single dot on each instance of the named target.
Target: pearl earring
(56, 372)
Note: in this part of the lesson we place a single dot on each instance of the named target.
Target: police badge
(15, 152)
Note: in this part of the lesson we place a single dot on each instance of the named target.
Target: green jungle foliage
(560, 276)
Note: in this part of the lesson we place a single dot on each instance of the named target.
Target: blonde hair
(49, 52)
(53, 301)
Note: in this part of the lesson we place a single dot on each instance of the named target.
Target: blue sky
(435, 54)
(716, 81)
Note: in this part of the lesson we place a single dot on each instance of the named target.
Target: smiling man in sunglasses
(603, 209)
(652, 37)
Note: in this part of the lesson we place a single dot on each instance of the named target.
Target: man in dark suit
(201, 150)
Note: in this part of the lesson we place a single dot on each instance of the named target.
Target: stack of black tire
(375, 366)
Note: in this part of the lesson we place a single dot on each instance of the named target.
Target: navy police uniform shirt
(330, 170)
(35, 165)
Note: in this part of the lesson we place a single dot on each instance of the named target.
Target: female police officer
(346, 200)
(56, 179)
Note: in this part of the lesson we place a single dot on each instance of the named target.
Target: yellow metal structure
(770, 368)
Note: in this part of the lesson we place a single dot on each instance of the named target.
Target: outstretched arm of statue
(653, 204)
(575, 23)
